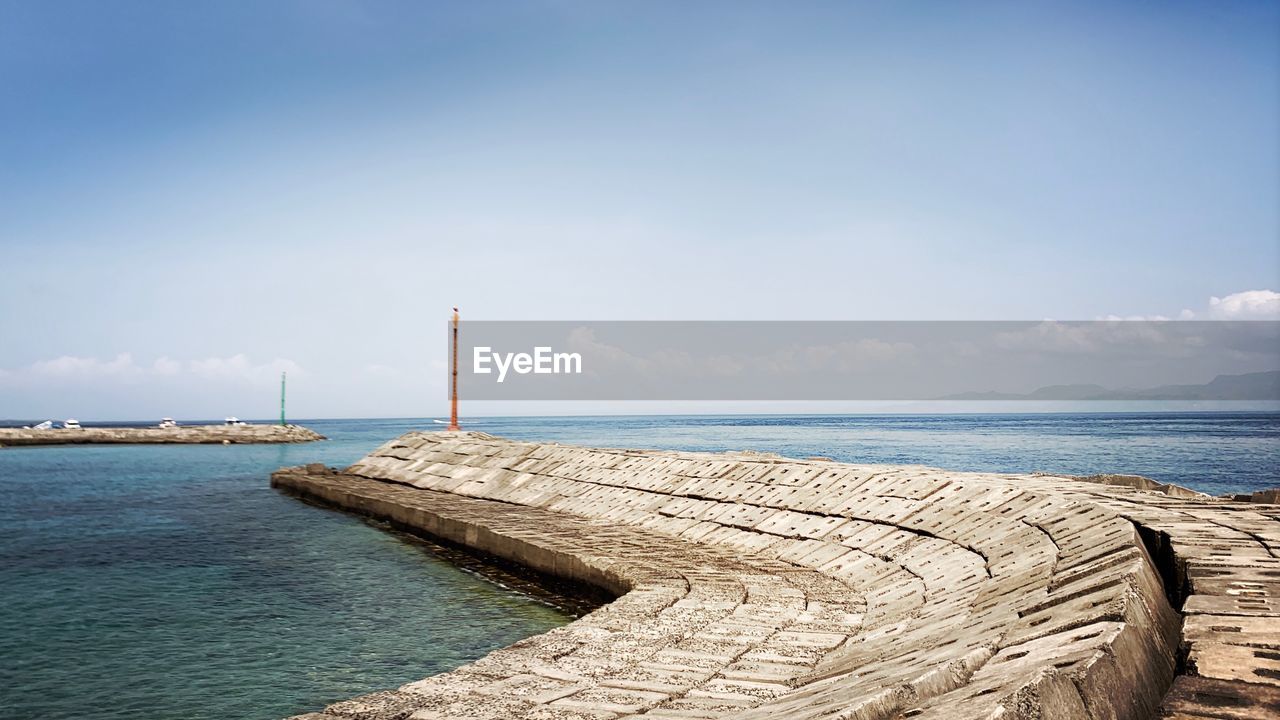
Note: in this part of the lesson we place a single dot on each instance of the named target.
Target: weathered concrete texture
(755, 587)
(183, 434)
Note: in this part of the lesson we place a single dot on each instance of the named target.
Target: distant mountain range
(1250, 386)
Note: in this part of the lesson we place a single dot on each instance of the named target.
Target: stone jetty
(755, 587)
(183, 434)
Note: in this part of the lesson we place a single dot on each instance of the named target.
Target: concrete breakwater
(183, 434)
(753, 586)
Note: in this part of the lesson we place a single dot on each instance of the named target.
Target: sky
(195, 197)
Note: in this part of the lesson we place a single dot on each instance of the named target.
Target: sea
(154, 581)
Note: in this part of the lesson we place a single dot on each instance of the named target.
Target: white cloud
(122, 367)
(240, 367)
(70, 366)
(1081, 337)
(1114, 318)
(164, 365)
(1247, 305)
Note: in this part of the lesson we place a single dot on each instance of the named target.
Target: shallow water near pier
(172, 582)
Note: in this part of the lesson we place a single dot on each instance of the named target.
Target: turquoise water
(172, 582)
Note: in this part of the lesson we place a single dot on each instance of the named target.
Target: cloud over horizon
(124, 385)
(1245, 305)
(1248, 305)
(234, 368)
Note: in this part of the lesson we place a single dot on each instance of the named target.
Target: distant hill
(1250, 386)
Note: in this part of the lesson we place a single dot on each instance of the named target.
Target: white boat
(167, 423)
(46, 425)
(71, 424)
(233, 420)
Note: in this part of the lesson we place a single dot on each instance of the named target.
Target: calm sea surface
(172, 582)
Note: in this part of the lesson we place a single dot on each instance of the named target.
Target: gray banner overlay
(819, 360)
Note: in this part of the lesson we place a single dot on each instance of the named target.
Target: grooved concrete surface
(752, 586)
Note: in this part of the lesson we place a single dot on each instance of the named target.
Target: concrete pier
(757, 587)
(183, 434)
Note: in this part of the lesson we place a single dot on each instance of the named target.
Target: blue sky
(196, 196)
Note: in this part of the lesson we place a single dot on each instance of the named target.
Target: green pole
(282, 398)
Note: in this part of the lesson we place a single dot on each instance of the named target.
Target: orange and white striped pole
(453, 391)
